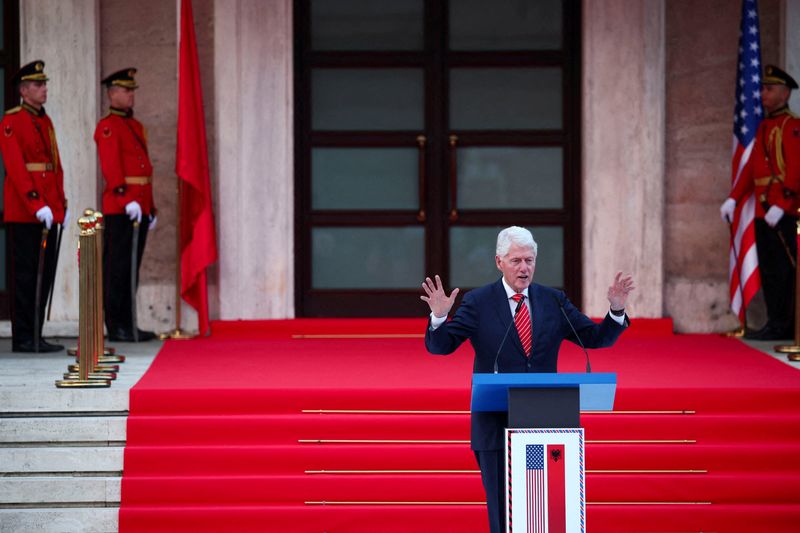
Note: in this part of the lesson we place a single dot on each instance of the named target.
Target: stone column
(254, 117)
(64, 34)
(791, 46)
(623, 151)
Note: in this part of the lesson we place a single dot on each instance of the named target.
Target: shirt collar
(125, 113)
(778, 112)
(32, 110)
(511, 292)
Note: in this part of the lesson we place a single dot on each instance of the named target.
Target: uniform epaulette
(14, 110)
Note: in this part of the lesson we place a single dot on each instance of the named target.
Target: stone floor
(61, 450)
(38, 372)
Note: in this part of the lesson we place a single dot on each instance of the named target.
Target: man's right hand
(439, 302)
(726, 210)
(45, 216)
(134, 211)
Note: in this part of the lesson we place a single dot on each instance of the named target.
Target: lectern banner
(545, 482)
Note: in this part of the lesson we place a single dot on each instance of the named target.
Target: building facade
(647, 91)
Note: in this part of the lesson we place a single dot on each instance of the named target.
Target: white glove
(153, 220)
(726, 210)
(45, 216)
(66, 218)
(134, 211)
(773, 216)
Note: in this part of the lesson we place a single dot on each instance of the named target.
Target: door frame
(350, 302)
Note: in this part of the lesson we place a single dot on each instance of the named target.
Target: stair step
(78, 460)
(83, 519)
(761, 487)
(20, 400)
(45, 490)
(775, 518)
(278, 459)
(288, 428)
(68, 429)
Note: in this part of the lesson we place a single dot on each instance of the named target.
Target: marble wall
(254, 116)
(144, 34)
(623, 151)
(702, 49)
(790, 45)
(71, 62)
(656, 137)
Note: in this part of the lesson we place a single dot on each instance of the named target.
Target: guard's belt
(39, 167)
(763, 182)
(138, 180)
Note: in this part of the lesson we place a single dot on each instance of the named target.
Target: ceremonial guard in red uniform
(773, 174)
(127, 205)
(34, 207)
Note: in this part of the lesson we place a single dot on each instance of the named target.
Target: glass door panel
(367, 25)
(505, 25)
(518, 98)
(368, 258)
(367, 99)
(510, 178)
(364, 178)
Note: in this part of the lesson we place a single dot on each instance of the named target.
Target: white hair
(514, 235)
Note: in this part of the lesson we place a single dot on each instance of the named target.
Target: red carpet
(216, 424)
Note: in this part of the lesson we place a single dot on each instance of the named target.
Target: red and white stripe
(536, 520)
(744, 277)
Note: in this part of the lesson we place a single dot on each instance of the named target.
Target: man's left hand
(619, 290)
(773, 216)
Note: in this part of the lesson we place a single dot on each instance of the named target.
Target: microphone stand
(563, 312)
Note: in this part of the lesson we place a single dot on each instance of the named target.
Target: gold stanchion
(86, 376)
(103, 357)
(177, 333)
(793, 350)
(737, 333)
(107, 356)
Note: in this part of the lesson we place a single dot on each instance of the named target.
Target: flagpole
(739, 332)
(177, 333)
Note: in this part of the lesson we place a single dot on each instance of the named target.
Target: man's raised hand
(439, 302)
(619, 290)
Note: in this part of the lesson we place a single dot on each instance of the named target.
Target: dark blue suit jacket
(484, 316)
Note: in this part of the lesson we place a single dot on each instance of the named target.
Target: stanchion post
(792, 351)
(104, 352)
(105, 356)
(103, 364)
(87, 354)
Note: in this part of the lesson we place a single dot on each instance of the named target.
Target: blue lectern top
(490, 391)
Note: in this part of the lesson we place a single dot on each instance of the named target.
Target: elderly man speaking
(484, 317)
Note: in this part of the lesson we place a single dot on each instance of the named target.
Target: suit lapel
(534, 295)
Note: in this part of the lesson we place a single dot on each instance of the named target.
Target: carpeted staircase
(256, 430)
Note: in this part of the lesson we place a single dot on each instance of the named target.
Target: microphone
(497, 357)
(563, 312)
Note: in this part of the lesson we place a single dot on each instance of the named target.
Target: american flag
(743, 261)
(535, 485)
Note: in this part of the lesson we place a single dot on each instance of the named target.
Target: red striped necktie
(523, 324)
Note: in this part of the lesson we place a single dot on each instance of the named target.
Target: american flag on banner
(534, 481)
(544, 480)
(743, 262)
